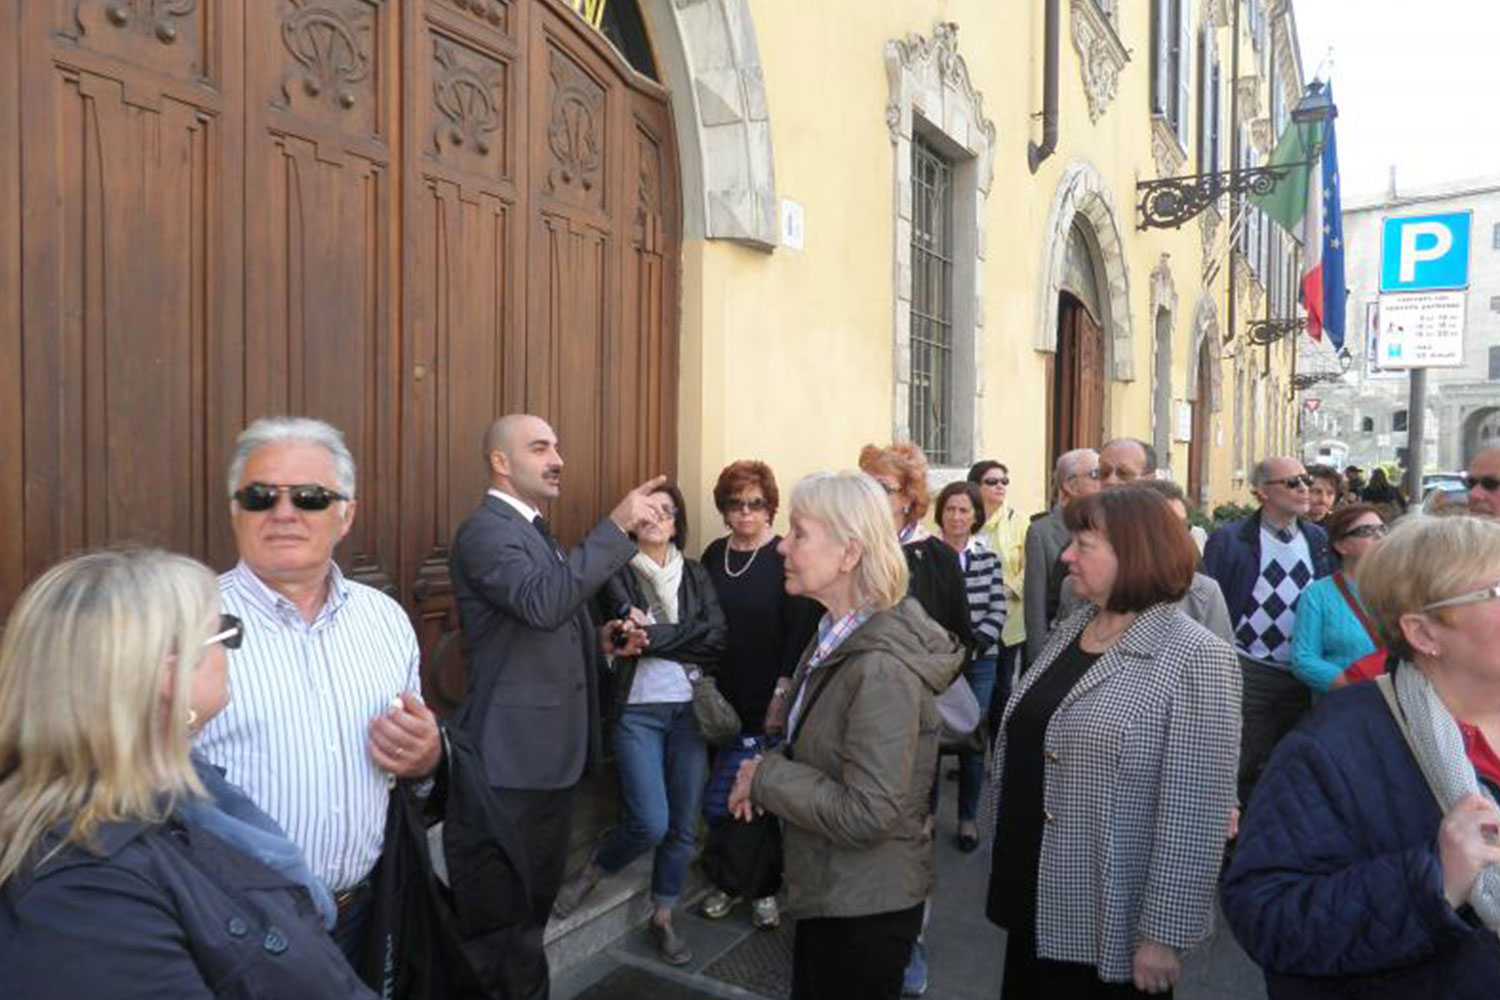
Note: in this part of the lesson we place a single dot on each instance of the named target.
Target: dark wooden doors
(1077, 403)
(1199, 447)
(404, 217)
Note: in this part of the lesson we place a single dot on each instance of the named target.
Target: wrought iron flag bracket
(1261, 332)
(1169, 202)
(1304, 381)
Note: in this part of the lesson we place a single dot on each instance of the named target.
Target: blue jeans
(981, 677)
(663, 769)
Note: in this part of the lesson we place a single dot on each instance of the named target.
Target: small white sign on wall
(1183, 429)
(793, 225)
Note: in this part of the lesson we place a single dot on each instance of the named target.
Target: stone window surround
(1102, 57)
(1163, 300)
(931, 94)
(1083, 196)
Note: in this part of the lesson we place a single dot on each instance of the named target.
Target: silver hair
(294, 430)
(1068, 463)
(1146, 450)
(1260, 473)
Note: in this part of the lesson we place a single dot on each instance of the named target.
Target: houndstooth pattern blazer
(1141, 759)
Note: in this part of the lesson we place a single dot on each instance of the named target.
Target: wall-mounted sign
(1422, 330)
(1420, 253)
(1311, 404)
(591, 11)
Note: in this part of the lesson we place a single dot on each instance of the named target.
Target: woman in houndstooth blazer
(1115, 768)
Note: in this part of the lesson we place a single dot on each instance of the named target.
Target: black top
(937, 582)
(768, 628)
(1018, 836)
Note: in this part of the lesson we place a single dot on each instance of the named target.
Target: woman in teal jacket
(1329, 635)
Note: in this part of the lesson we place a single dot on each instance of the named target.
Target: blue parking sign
(1420, 253)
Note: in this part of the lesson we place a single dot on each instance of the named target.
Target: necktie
(545, 530)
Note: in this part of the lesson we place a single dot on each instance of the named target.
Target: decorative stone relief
(1165, 150)
(1217, 12)
(1249, 98)
(929, 80)
(721, 115)
(1101, 54)
(1260, 136)
(1082, 196)
(1206, 332)
(1208, 225)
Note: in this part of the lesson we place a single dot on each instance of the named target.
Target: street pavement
(733, 961)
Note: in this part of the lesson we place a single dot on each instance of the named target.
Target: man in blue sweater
(1263, 564)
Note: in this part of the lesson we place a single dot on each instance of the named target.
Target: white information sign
(1421, 330)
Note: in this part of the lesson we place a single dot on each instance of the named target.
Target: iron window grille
(931, 404)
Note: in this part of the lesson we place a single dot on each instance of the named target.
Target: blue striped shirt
(295, 735)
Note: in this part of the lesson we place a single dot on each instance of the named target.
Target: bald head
(1124, 460)
(521, 452)
(1484, 468)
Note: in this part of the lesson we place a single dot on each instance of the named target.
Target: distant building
(1367, 411)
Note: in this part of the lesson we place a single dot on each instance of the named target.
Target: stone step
(620, 903)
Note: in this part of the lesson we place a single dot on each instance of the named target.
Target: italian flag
(1305, 202)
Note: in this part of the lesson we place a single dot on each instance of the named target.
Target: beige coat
(853, 789)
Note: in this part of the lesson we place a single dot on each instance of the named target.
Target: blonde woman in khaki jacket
(851, 782)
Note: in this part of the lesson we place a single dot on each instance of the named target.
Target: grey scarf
(1438, 746)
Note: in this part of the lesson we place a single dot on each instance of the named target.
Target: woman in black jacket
(668, 604)
(126, 871)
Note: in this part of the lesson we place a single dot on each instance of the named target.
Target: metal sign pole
(1416, 434)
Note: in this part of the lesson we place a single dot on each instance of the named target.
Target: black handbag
(744, 859)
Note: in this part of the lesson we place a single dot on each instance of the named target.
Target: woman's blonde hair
(852, 507)
(83, 737)
(1426, 559)
(908, 464)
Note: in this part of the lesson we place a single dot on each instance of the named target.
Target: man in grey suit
(1076, 475)
(532, 646)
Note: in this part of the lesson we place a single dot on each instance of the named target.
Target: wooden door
(1077, 397)
(1198, 447)
(406, 217)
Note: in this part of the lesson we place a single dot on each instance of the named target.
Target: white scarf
(661, 582)
(1439, 748)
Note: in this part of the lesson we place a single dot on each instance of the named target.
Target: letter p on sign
(1423, 253)
(1438, 241)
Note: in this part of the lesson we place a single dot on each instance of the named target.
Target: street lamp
(1169, 202)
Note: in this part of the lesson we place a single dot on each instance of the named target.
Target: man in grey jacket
(532, 647)
(1076, 475)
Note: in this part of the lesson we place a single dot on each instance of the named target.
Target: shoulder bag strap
(1340, 582)
(1388, 688)
(812, 699)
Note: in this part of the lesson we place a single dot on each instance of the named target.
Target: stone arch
(1481, 430)
(1082, 197)
(1206, 333)
(709, 59)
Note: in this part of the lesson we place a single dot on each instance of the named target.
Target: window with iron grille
(931, 413)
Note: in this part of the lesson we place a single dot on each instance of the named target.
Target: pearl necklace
(748, 562)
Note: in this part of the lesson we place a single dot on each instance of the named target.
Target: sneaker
(717, 904)
(672, 948)
(914, 979)
(764, 915)
(574, 891)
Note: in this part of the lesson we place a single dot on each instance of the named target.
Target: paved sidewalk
(966, 952)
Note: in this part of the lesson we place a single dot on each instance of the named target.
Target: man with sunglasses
(326, 679)
(1263, 564)
(1483, 482)
(532, 704)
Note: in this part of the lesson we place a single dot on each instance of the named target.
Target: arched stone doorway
(1085, 310)
(1203, 386)
(1481, 430)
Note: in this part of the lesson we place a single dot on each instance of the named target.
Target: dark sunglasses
(258, 497)
(997, 481)
(1292, 482)
(744, 506)
(231, 633)
(1487, 483)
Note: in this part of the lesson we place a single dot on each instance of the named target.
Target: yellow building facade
(797, 342)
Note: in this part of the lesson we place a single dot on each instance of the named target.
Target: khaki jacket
(852, 789)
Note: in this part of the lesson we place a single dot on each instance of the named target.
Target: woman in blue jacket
(1368, 863)
(126, 872)
(1330, 634)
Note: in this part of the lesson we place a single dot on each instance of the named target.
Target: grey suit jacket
(533, 697)
(1046, 537)
(1203, 603)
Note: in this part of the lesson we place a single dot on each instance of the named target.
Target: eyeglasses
(1368, 531)
(996, 481)
(1478, 596)
(258, 497)
(1487, 483)
(1292, 482)
(231, 633)
(1094, 473)
(744, 506)
(666, 513)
